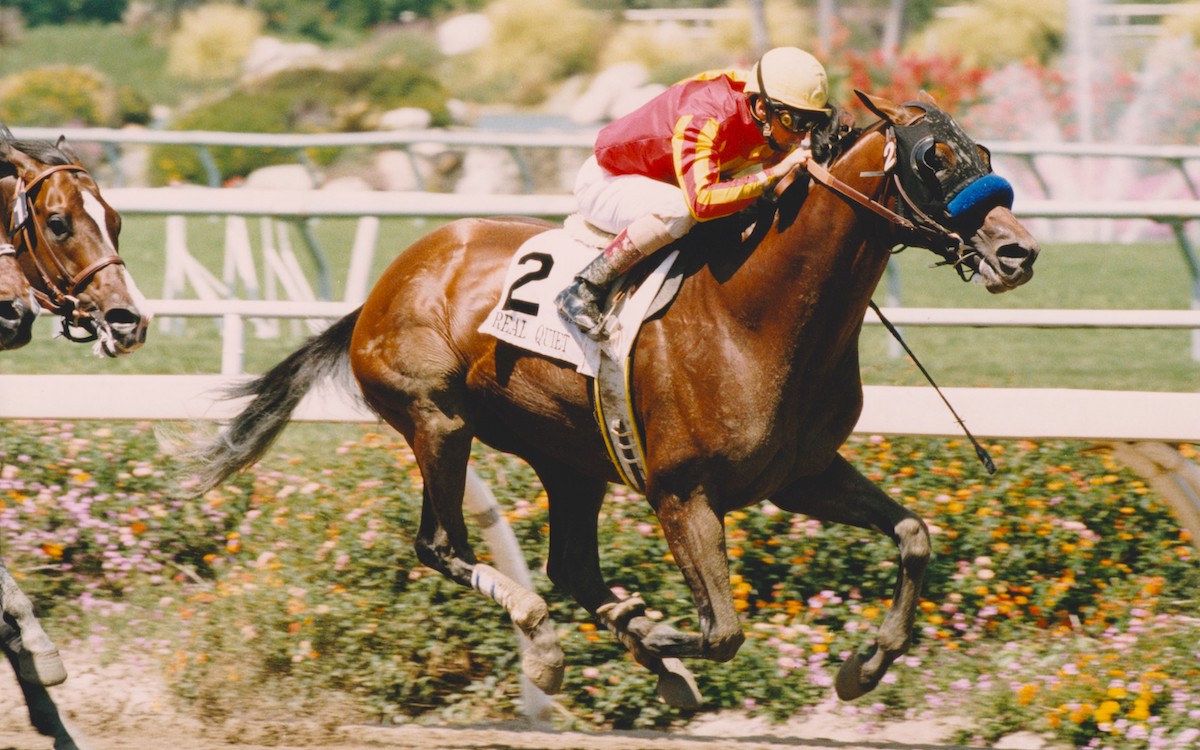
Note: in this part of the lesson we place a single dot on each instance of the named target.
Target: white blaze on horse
(742, 389)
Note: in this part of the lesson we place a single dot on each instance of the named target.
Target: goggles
(796, 121)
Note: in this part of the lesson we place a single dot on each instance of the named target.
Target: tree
(51, 12)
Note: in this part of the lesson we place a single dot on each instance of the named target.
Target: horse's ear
(67, 149)
(886, 109)
(925, 97)
(897, 114)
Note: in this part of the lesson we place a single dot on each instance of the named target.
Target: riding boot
(582, 303)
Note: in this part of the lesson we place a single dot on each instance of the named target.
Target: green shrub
(59, 95)
(1186, 22)
(297, 101)
(996, 32)
(526, 55)
(212, 41)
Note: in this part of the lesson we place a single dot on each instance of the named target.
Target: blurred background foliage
(186, 64)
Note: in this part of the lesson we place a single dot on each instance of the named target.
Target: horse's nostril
(10, 311)
(122, 317)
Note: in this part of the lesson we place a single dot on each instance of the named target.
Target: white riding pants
(653, 212)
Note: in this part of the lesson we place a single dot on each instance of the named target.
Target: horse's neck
(819, 271)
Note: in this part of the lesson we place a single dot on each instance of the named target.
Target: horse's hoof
(677, 687)
(544, 668)
(850, 683)
(43, 668)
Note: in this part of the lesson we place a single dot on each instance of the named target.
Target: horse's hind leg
(435, 425)
(574, 566)
(43, 713)
(39, 661)
(842, 495)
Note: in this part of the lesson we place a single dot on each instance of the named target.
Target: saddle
(526, 317)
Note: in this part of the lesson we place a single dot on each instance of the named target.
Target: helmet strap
(770, 107)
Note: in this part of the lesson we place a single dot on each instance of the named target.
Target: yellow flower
(1117, 692)
(1027, 693)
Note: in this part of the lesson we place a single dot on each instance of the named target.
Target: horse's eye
(932, 160)
(59, 226)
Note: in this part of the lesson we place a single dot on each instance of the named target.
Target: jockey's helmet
(792, 77)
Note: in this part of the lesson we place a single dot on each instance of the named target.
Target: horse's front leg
(842, 495)
(695, 533)
(39, 661)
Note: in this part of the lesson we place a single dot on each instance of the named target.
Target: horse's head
(65, 239)
(18, 308)
(946, 185)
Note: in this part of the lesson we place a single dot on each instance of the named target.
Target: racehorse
(757, 412)
(59, 253)
(64, 236)
(18, 309)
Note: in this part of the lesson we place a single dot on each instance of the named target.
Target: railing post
(233, 344)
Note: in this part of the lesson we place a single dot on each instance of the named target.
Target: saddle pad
(527, 318)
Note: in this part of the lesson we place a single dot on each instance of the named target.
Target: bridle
(921, 231)
(915, 226)
(61, 290)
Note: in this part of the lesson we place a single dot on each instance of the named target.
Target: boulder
(593, 106)
(462, 34)
(281, 177)
(405, 118)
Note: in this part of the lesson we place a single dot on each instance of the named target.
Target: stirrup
(575, 308)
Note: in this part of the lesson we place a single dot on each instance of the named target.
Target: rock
(347, 184)
(490, 170)
(628, 101)
(405, 118)
(269, 55)
(394, 169)
(463, 34)
(281, 177)
(593, 106)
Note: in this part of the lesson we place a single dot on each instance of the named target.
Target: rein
(62, 289)
(939, 240)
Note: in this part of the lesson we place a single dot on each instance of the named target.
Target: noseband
(61, 295)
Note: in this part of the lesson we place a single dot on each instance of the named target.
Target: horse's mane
(44, 151)
(47, 152)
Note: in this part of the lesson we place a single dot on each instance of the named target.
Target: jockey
(707, 147)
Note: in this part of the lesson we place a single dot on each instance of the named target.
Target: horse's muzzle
(16, 323)
(1007, 251)
(123, 330)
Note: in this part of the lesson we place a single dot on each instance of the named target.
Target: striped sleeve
(698, 170)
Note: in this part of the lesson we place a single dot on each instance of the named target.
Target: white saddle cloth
(545, 265)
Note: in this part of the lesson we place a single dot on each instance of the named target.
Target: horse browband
(60, 298)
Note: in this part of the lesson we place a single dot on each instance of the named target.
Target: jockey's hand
(797, 158)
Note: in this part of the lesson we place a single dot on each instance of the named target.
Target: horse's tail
(276, 394)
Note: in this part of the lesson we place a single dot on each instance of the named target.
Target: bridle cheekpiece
(61, 289)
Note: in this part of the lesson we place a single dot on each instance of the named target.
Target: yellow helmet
(790, 76)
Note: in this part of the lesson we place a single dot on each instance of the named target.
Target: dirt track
(124, 707)
(163, 735)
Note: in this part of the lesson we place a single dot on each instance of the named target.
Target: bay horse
(59, 252)
(18, 308)
(757, 412)
(64, 236)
